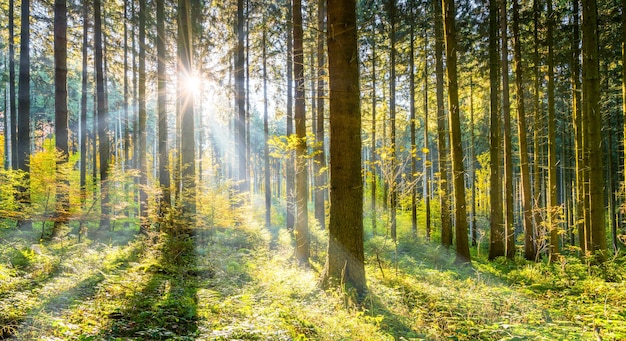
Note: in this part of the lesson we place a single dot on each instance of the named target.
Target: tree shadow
(56, 302)
(166, 307)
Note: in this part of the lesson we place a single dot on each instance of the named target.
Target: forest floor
(241, 283)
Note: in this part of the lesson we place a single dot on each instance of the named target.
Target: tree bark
(320, 156)
(61, 119)
(509, 228)
(164, 171)
(592, 116)
(143, 134)
(302, 225)
(186, 111)
(442, 132)
(103, 120)
(527, 222)
(553, 208)
(458, 172)
(23, 107)
(497, 232)
(345, 257)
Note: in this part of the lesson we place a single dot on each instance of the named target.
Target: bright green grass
(241, 283)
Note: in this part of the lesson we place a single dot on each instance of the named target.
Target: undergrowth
(239, 281)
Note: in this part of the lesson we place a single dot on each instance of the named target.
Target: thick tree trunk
(83, 108)
(592, 116)
(345, 257)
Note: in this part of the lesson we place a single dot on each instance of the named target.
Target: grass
(240, 282)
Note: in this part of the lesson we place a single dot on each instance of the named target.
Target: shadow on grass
(37, 300)
(166, 308)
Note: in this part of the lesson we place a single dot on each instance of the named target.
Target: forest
(313, 170)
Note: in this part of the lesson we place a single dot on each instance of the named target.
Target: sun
(192, 84)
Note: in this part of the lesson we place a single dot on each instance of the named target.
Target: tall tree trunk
(23, 106)
(60, 115)
(426, 149)
(240, 100)
(373, 169)
(537, 123)
(509, 228)
(320, 156)
(552, 205)
(527, 222)
(442, 133)
(290, 184)
(164, 171)
(473, 226)
(391, 177)
(142, 148)
(266, 133)
(593, 118)
(83, 107)
(578, 130)
(458, 173)
(12, 106)
(413, 177)
(497, 233)
(345, 257)
(103, 129)
(185, 107)
(302, 227)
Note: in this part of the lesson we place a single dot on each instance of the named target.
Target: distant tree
(61, 119)
(345, 257)
(458, 172)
